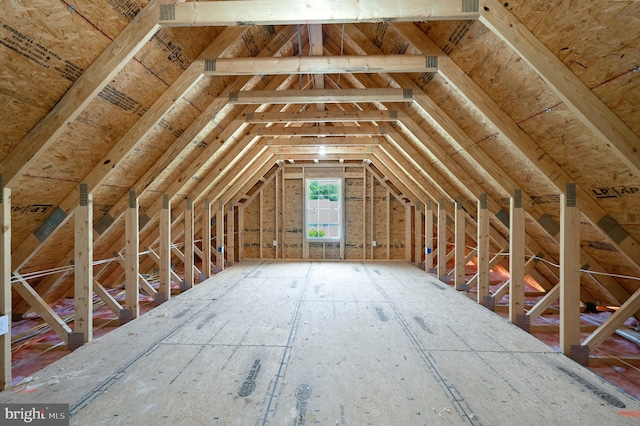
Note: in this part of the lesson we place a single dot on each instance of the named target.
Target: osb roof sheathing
(45, 47)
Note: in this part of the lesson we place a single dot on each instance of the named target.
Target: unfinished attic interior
(482, 154)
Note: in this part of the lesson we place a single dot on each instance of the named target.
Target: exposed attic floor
(270, 342)
(121, 103)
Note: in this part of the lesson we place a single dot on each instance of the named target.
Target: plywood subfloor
(323, 343)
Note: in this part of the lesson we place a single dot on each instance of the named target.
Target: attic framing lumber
(516, 258)
(549, 170)
(5, 282)
(320, 64)
(591, 110)
(616, 320)
(483, 245)
(353, 36)
(459, 279)
(317, 131)
(164, 255)
(253, 12)
(83, 270)
(45, 311)
(132, 256)
(188, 246)
(105, 167)
(101, 71)
(322, 116)
(314, 96)
(569, 272)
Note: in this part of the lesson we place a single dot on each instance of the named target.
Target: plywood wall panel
(269, 234)
(380, 221)
(316, 251)
(293, 220)
(332, 251)
(251, 230)
(397, 232)
(354, 227)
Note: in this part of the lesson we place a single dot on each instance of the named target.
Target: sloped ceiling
(527, 95)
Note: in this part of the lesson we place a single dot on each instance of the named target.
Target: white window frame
(337, 211)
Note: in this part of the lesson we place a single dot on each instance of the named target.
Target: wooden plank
(231, 231)
(569, 271)
(516, 257)
(188, 245)
(483, 242)
(614, 322)
(41, 308)
(106, 297)
(319, 96)
(442, 239)
(542, 304)
(321, 131)
(164, 225)
(417, 235)
(459, 247)
(289, 12)
(5, 282)
(220, 236)
(428, 237)
(206, 238)
(316, 48)
(587, 106)
(101, 71)
(83, 266)
(319, 65)
(132, 256)
(322, 116)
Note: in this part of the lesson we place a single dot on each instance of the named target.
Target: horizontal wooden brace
(321, 116)
(320, 65)
(288, 12)
(322, 131)
(316, 96)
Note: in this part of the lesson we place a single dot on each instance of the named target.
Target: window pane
(323, 215)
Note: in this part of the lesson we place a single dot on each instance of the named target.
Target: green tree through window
(323, 209)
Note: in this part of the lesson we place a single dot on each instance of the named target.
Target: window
(323, 209)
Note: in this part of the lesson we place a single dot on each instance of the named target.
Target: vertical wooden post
(164, 223)
(460, 277)
(371, 215)
(220, 236)
(206, 238)
(364, 213)
(418, 235)
(83, 278)
(261, 230)
(428, 237)
(277, 240)
(188, 246)
(483, 251)
(407, 233)
(570, 277)
(516, 260)
(442, 239)
(240, 231)
(132, 260)
(231, 234)
(388, 222)
(5, 293)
